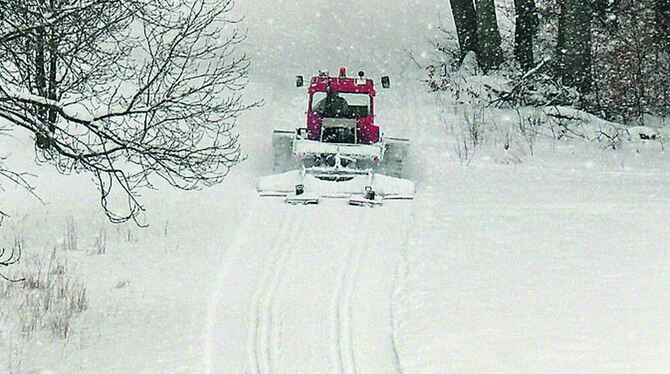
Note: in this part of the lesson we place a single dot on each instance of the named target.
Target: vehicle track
(272, 327)
(261, 345)
(343, 346)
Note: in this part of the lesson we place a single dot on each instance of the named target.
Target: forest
(607, 57)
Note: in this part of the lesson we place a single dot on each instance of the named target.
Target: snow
(538, 269)
(347, 272)
(28, 97)
(556, 263)
(79, 111)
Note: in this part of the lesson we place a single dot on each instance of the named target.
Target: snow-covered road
(309, 289)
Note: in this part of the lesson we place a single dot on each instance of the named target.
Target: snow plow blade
(335, 185)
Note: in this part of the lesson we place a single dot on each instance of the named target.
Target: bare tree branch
(126, 90)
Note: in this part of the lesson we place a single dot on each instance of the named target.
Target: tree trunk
(526, 27)
(490, 53)
(574, 44)
(465, 20)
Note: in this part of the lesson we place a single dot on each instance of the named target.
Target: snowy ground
(556, 264)
(547, 266)
(315, 295)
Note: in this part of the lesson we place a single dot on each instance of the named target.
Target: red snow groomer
(341, 152)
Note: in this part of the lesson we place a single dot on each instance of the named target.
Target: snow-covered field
(557, 263)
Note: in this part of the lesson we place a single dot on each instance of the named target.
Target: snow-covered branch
(133, 89)
(10, 30)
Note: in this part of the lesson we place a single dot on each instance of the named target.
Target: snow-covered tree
(125, 90)
(632, 62)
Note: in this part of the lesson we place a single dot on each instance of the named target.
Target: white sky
(301, 36)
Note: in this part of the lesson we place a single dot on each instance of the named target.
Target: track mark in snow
(343, 347)
(262, 342)
(272, 326)
(399, 277)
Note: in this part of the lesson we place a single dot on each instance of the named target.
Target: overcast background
(305, 35)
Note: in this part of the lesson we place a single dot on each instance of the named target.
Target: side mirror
(386, 82)
(299, 81)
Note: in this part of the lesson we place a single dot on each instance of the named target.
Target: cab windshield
(341, 105)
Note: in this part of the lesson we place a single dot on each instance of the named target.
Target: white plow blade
(284, 184)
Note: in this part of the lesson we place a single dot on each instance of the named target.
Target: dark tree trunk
(490, 53)
(524, 33)
(574, 44)
(465, 19)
